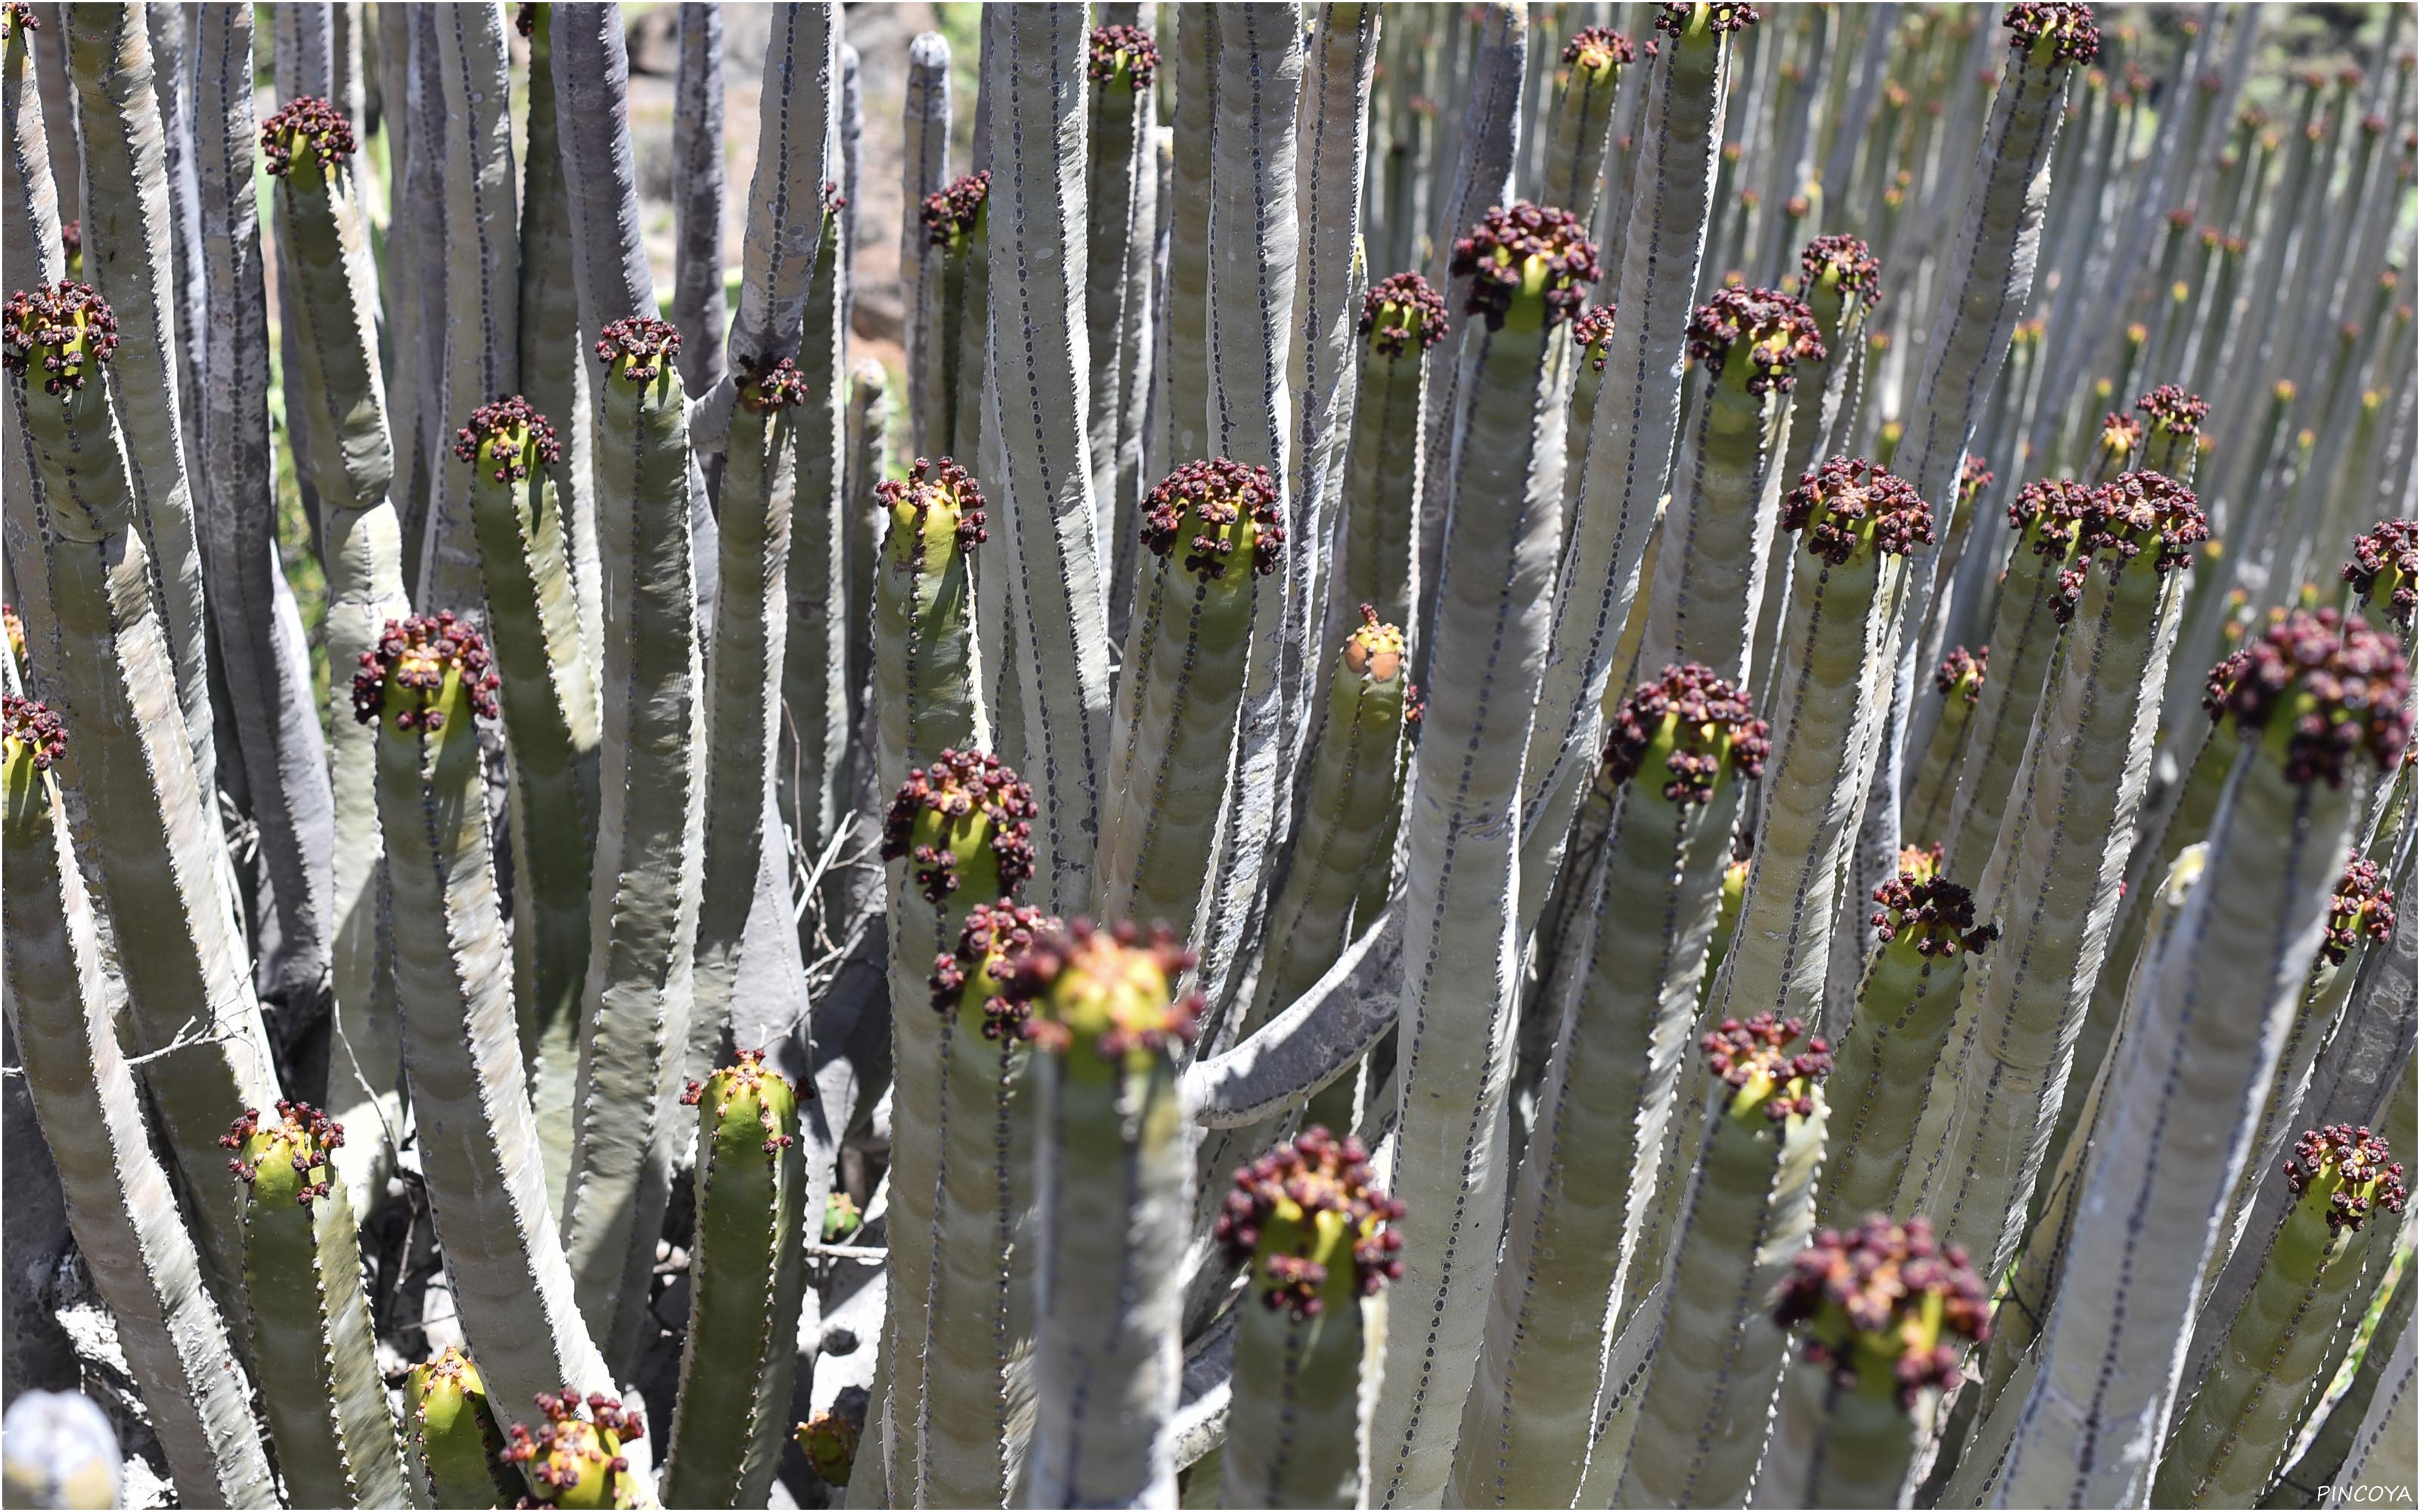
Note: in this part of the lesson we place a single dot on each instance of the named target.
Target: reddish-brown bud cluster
(2221, 681)
(1845, 261)
(503, 438)
(18, 16)
(930, 484)
(993, 936)
(1963, 672)
(1111, 985)
(2364, 1172)
(308, 124)
(71, 240)
(1214, 510)
(1131, 46)
(1497, 256)
(764, 388)
(2363, 907)
(1739, 1054)
(1704, 722)
(1593, 333)
(2386, 564)
(746, 1073)
(1275, 1214)
(1846, 501)
(1770, 327)
(645, 343)
(1975, 475)
(2173, 411)
(1399, 309)
(68, 323)
(311, 1134)
(415, 655)
(950, 213)
(575, 1437)
(2344, 688)
(1930, 913)
(2070, 29)
(1885, 1295)
(1673, 20)
(960, 786)
(525, 18)
(2132, 513)
(1598, 48)
(2053, 510)
(32, 725)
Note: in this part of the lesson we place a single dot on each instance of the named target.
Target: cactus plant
(454, 1446)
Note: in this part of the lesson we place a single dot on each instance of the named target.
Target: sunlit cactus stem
(746, 1273)
(1581, 118)
(1680, 749)
(928, 693)
(452, 1441)
(1893, 1049)
(312, 1347)
(1312, 1226)
(1958, 682)
(1880, 1305)
(956, 227)
(578, 1455)
(2229, 1445)
(1698, 1426)
(1115, 1179)
(1402, 321)
(1122, 176)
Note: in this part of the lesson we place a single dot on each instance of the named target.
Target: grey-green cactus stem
(699, 304)
(482, 278)
(452, 1441)
(1580, 121)
(1185, 422)
(479, 1136)
(1402, 318)
(957, 221)
(1311, 1225)
(1635, 420)
(746, 1273)
(1120, 174)
(120, 1205)
(634, 1009)
(2231, 1441)
(1698, 1427)
(328, 303)
(1958, 683)
(512, 466)
(924, 164)
(2322, 702)
(926, 684)
(2051, 885)
(1683, 746)
(312, 1347)
(1114, 1177)
(126, 207)
(2302, 1483)
(1893, 1049)
(1526, 269)
(151, 829)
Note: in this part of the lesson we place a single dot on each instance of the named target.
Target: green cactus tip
(1963, 674)
(746, 1082)
(1597, 50)
(2361, 908)
(967, 818)
(638, 347)
(1770, 331)
(2121, 437)
(1883, 1305)
(2054, 33)
(2324, 690)
(305, 124)
(1848, 502)
(1113, 989)
(939, 495)
(507, 439)
(2348, 1170)
(2048, 512)
(841, 1218)
(1592, 333)
(1926, 912)
(829, 1442)
(1755, 1061)
(973, 976)
(416, 658)
(1122, 54)
(66, 328)
(2172, 411)
(574, 1457)
(1374, 650)
(1528, 253)
(1221, 513)
(951, 215)
(32, 733)
(1682, 20)
(1844, 263)
(1399, 309)
(1696, 723)
(286, 1157)
(1309, 1219)
(2386, 565)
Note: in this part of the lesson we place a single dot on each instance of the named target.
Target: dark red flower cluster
(305, 123)
(1131, 45)
(1739, 1053)
(1213, 510)
(1846, 501)
(1121, 1010)
(2345, 688)
(765, 388)
(958, 787)
(1593, 333)
(1709, 721)
(2387, 557)
(949, 214)
(2365, 1169)
(2071, 30)
(1975, 475)
(928, 485)
(311, 1134)
(2132, 513)
(1598, 48)
(416, 654)
(33, 725)
(1963, 672)
(1873, 1291)
(1774, 331)
(2173, 411)
(1496, 253)
(1284, 1191)
(2221, 681)
(1847, 261)
(1399, 309)
(2362, 907)
(68, 322)
(646, 341)
(568, 1446)
(512, 434)
(993, 936)
(1931, 913)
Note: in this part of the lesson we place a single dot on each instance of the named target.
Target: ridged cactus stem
(2320, 701)
(151, 829)
(1698, 1427)
(2303, 1482)
(699, 303)
(121, 1207)
(453, 1443)
(1120, 174)
(925, 166)
(634, 1009)
(2051, 885)
(514, 466)
(1958, 684)
(957, 222)
(746, 1273)
(1580, 120)
(1310, 1222)
(478, 1136)
(312, 1347)
(1682, 748)
(2230, 1442)
(1402, 318)
(926, 682)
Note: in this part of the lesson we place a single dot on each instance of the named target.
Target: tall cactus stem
(1402, 321)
